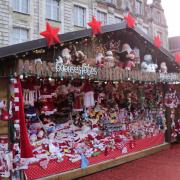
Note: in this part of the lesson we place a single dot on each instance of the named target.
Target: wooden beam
(76, 173)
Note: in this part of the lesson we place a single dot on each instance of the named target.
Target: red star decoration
(95, 25)
(130, 21)
(177, 58)
(51, 34)
(157, 41)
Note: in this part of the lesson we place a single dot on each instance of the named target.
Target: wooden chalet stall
(87, 106)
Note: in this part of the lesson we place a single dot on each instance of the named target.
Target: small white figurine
(163, 67)
(109, 59)
(147, 65)
(66, 55)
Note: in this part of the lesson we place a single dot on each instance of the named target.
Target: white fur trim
(16, 108)
(15, 81)
(16, 90)
(16, 121)
(47, 113)
(16, 99)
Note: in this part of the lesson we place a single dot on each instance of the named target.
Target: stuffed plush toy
(109, 59)
(99, 59)
(147, 65)
(79, 58)
(163, 67)
(66, 55)
(128, 62)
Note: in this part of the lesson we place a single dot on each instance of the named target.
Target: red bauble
(95, 25)
(130, 21)
(51, 34)
(157, 41)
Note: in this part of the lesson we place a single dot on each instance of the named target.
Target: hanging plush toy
(147, 65)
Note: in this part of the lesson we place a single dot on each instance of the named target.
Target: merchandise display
(85, 100)
(76, 120)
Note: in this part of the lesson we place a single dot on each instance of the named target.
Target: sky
(172, 13)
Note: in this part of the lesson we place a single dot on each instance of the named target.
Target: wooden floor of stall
(106, 164)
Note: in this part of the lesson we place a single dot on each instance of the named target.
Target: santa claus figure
(88, 95)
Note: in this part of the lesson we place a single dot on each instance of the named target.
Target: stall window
(53, 10)
(102, 16)
(118, 19)
(79, 16)
(139, 7)
(21, 6)
(19, 35)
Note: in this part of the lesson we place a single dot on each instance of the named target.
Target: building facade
(23, 20)
(174, 45)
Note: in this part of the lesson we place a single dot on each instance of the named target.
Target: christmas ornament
(51, 34)
(95, 25)
(130, 21)
(157, 41)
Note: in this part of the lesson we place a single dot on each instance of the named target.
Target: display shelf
(107, 164)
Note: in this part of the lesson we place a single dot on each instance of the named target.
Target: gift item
(163, 68)
(148, 65)
(127, 57)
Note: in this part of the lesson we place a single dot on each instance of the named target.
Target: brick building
(23, 20)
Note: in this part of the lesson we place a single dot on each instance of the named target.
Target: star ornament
(130, 21)
(51, 34)
(177, 58)
(95, 25)
(157, 41)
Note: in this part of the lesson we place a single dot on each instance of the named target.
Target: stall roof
(13, 50)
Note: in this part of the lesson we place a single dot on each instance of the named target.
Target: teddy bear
(147, 65)
(80, 58)
(66, 55)
(163, 67)
(109, 59)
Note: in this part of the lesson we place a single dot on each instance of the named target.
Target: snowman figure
(147, 65)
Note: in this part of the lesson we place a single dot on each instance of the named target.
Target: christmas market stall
(87, 101)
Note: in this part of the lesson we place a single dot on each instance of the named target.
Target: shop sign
(168, 77)
(84, 69)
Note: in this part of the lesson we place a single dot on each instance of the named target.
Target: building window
(19, 35)
(110, 1)
(53, 10)
(139, 7)
(21, 6)
(79, 16)
(102, 16)
(118, 19)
